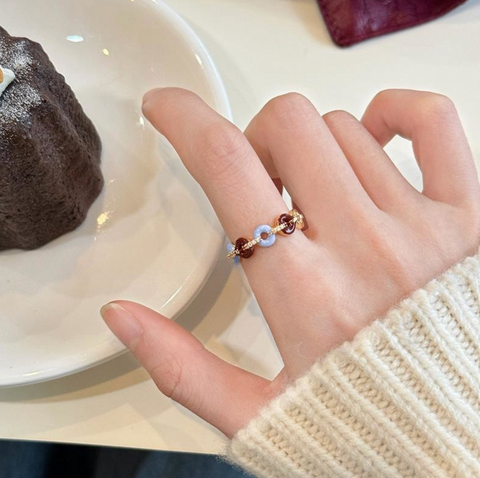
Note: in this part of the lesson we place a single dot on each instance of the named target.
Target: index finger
(219, 157)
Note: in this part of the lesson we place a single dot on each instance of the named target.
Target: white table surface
(262, 48)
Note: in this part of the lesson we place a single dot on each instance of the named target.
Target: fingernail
(122, 323)
(149, 95)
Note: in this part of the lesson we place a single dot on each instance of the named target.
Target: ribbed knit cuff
(400, 400)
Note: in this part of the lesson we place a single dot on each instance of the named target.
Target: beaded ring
(265, 235)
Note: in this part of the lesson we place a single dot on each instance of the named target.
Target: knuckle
(291, 105)
(167, 374)
(384, 99)
(335, 117)
(437, 104)
(222, 149)
(427, 106)
(425, 100)
(383, 96)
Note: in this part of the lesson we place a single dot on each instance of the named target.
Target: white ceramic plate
(152, 235)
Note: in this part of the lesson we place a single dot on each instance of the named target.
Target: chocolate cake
(49, 150)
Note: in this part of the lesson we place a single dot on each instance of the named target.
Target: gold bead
(299, 218)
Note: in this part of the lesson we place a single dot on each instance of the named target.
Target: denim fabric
(45, 460)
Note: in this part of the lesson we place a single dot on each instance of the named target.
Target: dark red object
(240, 242)
(351, 21)
(285, 219)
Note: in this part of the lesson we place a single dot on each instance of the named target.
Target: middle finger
(296, 145)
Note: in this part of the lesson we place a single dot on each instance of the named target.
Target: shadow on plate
(124, 371)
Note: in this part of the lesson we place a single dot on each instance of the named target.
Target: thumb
(224, 395)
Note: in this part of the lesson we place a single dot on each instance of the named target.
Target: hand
(372, 238)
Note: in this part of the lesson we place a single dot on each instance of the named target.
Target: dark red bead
(286, 219)
(241, 241)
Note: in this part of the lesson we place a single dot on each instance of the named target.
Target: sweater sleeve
(401, 400)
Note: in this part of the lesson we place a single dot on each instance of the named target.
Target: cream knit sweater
(401, 400)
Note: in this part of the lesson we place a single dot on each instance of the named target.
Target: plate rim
(195, 283)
